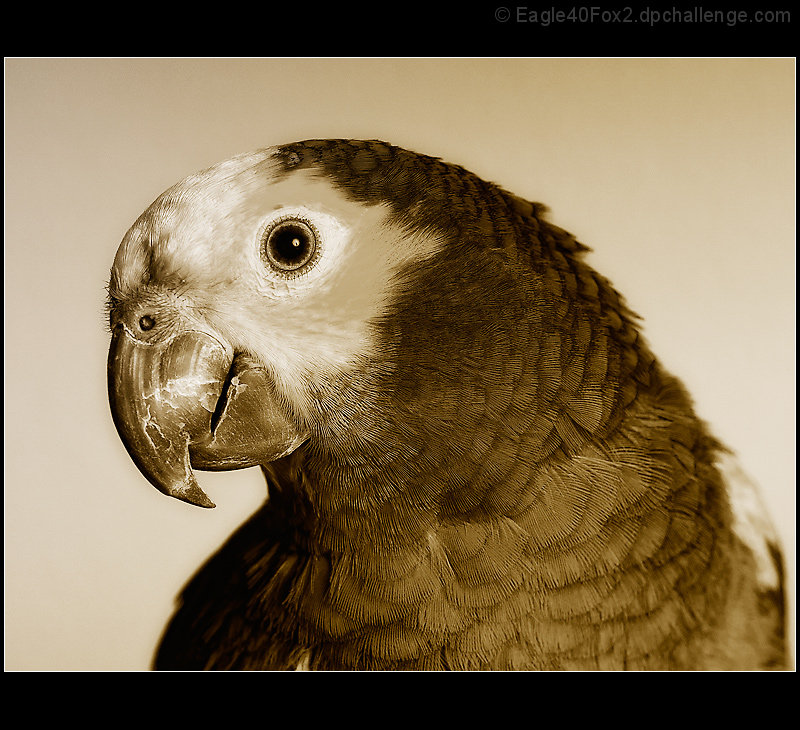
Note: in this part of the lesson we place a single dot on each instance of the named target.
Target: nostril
(147, 323)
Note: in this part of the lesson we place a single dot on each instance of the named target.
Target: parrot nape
(473, 460)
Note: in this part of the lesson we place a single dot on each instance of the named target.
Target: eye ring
(290, 246)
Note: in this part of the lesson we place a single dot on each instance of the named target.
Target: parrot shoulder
(216, 624)
(759, 601)
(751, 522)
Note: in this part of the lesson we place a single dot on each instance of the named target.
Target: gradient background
(678, 173)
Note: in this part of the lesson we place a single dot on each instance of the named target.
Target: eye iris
(290, 245)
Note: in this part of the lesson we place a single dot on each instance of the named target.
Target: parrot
(472, 459)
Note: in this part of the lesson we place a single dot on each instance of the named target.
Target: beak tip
(193, 495)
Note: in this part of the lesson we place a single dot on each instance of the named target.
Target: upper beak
(191, 401)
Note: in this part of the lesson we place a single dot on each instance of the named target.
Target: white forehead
(206, 224)
(206, 231)
(245, 187)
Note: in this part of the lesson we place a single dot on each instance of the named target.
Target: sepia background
(679, 173)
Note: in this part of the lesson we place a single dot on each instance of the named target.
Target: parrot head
(245, 293)
(354, 299)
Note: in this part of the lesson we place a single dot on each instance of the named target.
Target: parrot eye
(290, 245)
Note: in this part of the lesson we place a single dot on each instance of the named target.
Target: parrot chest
(471, 597)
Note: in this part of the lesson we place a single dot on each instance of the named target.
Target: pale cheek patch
(320, 329)
(358, 288)
(331, 306)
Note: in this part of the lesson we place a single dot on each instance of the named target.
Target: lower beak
(192, 402)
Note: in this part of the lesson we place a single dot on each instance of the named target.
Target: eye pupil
(290, 245)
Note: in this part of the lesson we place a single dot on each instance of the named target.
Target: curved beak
(192, 402)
